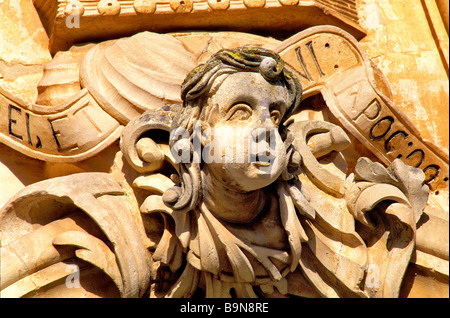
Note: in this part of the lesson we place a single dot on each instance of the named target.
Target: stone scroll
(73, 131)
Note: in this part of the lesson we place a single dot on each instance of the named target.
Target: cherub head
(245, 94)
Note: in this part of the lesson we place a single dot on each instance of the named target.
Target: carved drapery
(330, 252)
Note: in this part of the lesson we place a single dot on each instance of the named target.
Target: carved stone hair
(195, 88)
(243, 59)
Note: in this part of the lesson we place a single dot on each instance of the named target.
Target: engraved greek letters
(389, 144)
(373, 110)
(65, 144)
(431, 173)
(19, 126)
(55, 134)
(335, 67)
(311, 50)
(302, 63)
(27, 116)
(70, 130)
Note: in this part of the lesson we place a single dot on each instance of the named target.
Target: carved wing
(57, 233)
(131, 75)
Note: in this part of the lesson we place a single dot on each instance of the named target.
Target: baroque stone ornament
(256, 16)
(235, 178)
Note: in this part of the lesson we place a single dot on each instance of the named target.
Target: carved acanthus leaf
(131, 75)
(389, 201)
(375, 183)
(94, 251)
(326, 180)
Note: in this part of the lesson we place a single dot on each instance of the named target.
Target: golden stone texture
(66, 101)
(409, 43)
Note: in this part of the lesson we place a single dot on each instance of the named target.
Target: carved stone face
(244, 114)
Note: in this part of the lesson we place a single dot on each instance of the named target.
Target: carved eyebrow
(238, 103)
(240, 99)
(238, 106)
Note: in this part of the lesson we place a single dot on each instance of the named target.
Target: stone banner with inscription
(328, 60)
(73, 131)
(331, 62)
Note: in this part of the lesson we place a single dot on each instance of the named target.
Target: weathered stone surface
(318, 172)
(49, 215)
(409, 44)
(259, 16)
(23, 48)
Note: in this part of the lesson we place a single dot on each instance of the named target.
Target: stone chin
(252, 176)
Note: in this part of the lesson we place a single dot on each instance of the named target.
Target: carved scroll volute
(314, 139)
(144, 141)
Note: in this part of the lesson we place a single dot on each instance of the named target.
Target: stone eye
(239, 111)
(275, 116)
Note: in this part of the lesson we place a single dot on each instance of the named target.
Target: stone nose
(265, 121)
(264, 111)
(261, 134)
